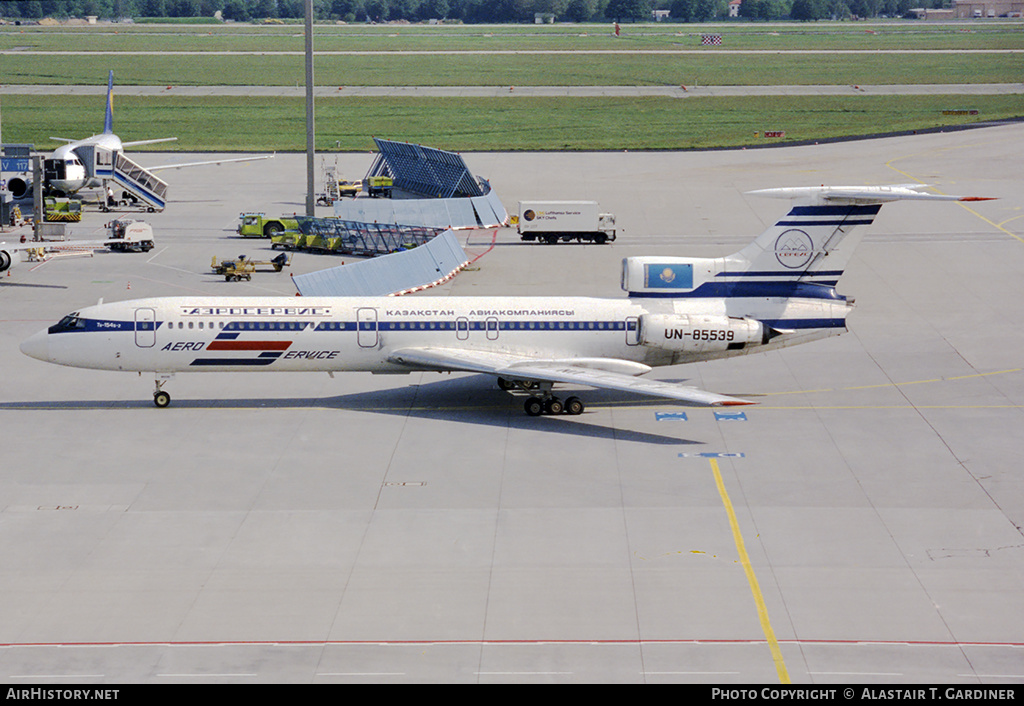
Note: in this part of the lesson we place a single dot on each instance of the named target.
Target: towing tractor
(565, 221)
(242, 267)
(259, 225)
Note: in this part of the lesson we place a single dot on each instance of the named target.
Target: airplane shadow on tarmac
(471, 399)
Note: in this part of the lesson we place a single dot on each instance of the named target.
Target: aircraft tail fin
(815, 240)
(803, 254)
(108, 118)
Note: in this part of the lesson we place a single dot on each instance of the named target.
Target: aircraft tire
(506, 385)
(553, 405)
(534, 406)
(574, 405)
(161, 399)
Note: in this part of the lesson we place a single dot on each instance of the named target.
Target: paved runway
(861, 525)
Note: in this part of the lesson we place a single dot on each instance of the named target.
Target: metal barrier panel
(485, 211)
(396, 273)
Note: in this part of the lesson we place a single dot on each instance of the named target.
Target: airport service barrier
(463, 212)
(398, 273)
(338, 237)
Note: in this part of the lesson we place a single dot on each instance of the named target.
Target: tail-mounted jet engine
(686, 333)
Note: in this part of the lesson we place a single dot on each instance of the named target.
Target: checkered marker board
(711, 39)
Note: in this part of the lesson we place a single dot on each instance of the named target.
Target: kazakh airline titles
(776, 292)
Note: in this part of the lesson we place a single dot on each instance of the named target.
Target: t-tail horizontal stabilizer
(859, 195)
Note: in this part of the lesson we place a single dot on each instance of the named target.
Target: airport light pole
(310, 142)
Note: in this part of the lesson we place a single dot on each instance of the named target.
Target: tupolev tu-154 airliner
(778, 291)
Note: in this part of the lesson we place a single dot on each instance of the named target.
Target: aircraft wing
(136, 143)
(212, 161)
(607, 373)
(17, 247)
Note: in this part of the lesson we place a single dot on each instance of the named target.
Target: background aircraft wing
(136, 143)
(212, 161)
(610, 373)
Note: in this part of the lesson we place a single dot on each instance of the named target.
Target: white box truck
(551, 221)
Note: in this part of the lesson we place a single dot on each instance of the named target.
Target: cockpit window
(71, 322)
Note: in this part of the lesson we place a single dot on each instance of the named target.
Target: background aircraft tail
(108, 119)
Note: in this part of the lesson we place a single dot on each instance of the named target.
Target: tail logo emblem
(794, 249)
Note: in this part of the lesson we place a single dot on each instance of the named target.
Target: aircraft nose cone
(37, 346)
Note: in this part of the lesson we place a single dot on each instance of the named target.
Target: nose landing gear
(162, 398)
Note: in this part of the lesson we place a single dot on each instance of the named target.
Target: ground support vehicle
(379, 187)
(243, 268)
(57, 210)
(565, 221)
(337, 189)
(259, 225)
(340, 237)
(129, 235)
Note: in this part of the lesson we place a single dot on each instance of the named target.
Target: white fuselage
(73, 175)
(179, 334)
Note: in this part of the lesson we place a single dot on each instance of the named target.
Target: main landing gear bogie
(536, 406)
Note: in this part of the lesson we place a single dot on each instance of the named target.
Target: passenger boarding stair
(140, 183)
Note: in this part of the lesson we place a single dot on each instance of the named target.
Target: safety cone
(129, 284)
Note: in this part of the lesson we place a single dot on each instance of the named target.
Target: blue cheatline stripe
(836, 222)
(750, 290)
(227, 362)
(804, 323)
(864, 210)
(255, 326)
(794, 274)
(336, 326)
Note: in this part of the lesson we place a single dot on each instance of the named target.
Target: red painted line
(248, 345)
(494, 239)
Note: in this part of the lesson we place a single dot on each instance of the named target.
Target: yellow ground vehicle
(259, 225)
(242, 267)
(62, 210)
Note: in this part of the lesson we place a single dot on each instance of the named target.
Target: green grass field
(510, 55)
(500, 124)
(522, 69)
(564, 37)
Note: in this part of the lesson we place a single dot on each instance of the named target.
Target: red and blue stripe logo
(254, 352)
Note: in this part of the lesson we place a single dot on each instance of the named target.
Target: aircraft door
(53, 170)
(145, 328)
(462, 328)
(491, 327)
(632, 331)
(103, 165)
(366, 327)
